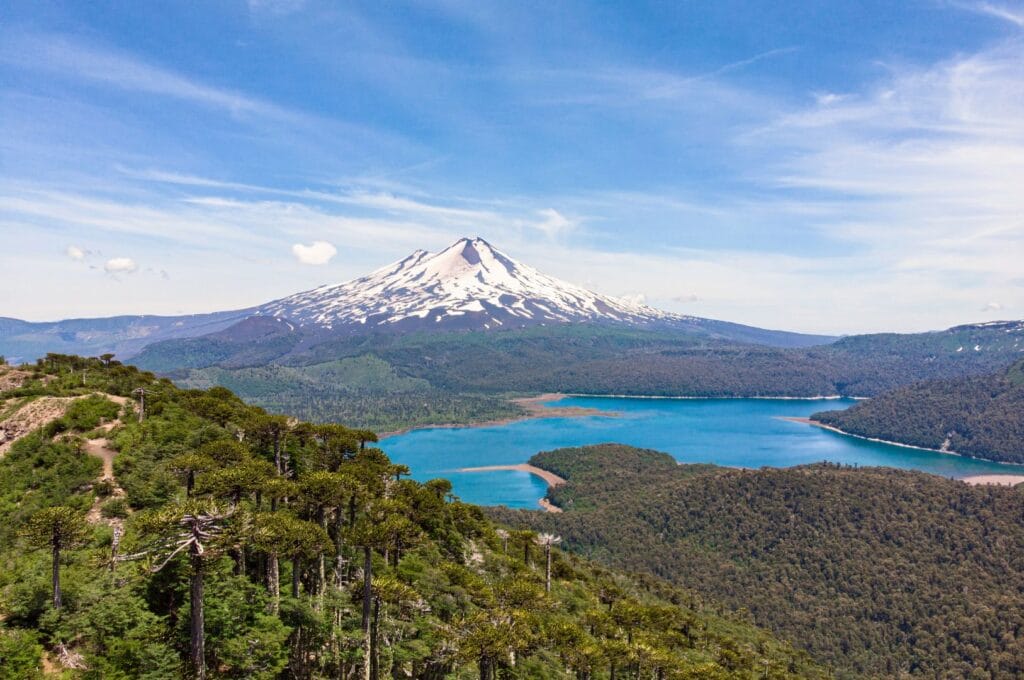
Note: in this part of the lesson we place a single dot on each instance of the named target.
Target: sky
(830, 167)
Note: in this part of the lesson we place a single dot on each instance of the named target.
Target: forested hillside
(362, 390)
(973, 416)
(223, 542)
(881, 572)
(422, 378)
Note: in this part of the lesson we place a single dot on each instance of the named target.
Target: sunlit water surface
(736, 432)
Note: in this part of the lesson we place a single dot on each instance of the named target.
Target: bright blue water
(736, 432)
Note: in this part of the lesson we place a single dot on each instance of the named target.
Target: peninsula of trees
(879, 572)
(980, 416)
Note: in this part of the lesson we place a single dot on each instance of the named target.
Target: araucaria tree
(546, 541)
(195, 529)
(59, 529)
(390, 577)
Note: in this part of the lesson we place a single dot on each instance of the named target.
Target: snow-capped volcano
(468, 285)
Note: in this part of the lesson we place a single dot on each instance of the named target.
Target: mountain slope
(979, 416)
(882, 572)
(468, 286)
(295, 547)
(473, 286)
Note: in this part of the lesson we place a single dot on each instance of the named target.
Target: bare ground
(37, 413)
(12, 378)
(32, 415)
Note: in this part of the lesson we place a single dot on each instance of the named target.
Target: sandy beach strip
(548, 505)
(1002, 480)
(550, 477)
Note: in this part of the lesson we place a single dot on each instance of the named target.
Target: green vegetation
(363, 391)
(881, 572)
(245, 545)
(976, 416)
(392, 381)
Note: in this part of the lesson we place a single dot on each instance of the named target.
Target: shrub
(115, 507)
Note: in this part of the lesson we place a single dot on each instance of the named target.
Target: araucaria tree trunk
(56, 574)
(197, 645)
(374, 661)
(367, 596)
(277, 453)
(547, 576)
(274, 583)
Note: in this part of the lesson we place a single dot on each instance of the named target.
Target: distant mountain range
(122, 335)
(448, 336)
(469, 286)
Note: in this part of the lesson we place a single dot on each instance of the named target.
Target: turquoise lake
(735, 432)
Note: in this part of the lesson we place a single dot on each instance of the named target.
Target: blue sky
(829, 166)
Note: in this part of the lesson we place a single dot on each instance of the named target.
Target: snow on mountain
(469, 285)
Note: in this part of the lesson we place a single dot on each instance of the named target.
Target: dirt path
(100, 448)
(550, 477)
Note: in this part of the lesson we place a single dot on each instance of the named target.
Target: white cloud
(316, 253)
(828, 98)
(120, 265)
(634, 299)
(992, 307)
(554, 223)
(75, 253)
(921, 174)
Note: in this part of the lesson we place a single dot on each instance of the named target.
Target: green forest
(876, 571)
(230, 543)
(973, 416)
(365, 391)
(426, 378)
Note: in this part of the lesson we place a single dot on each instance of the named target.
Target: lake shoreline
(551, 478)
(533, 406)
(969, 478)
(820, 397)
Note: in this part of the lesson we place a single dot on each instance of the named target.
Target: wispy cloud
(554, 223)
(276, 7)
(67, 57)
(1014, 15)
(924, 170)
